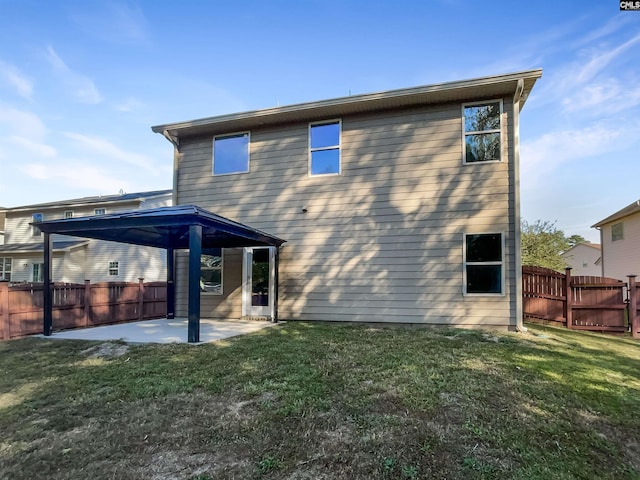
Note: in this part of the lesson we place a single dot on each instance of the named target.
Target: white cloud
(33, 147)
(129, 105)
(13, 77)
(21, 123)
(82, 87)
(601, 58)
(75, 174)
(603, 98)
(114, 22)
(545, 154)
(99, 146)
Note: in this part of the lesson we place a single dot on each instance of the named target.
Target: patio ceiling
(163, 227)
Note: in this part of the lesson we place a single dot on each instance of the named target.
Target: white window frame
(213, 152)
(221, 268)
(99, 211)
(480, 132)
(68, 214)
(3, 272)
(332, 147)
(501, 263)
(621, 233)
(35, 231)
(40, 267)
(113, 265)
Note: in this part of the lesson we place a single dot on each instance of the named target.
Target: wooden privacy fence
(581, 302)
(78, 305)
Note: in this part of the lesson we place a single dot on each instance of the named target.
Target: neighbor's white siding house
(584, 259)
(398, 207)
(620, 239)
(76, 259)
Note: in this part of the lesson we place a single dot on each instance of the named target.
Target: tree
(543, 243)
(574, 240)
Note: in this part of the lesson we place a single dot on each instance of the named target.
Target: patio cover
(172, 228)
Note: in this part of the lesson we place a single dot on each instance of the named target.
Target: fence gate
(582, 303)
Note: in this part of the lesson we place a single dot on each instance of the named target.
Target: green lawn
(321, 401)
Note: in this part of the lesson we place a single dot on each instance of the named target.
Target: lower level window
(114, 268)
(211, 273)
(5, 268)
(37, 272)
(484, 261)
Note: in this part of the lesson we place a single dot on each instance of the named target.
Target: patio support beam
(195, 251)
(47, 290)
(171, 286)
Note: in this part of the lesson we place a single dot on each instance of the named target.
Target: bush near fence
(79, 305)
(581, 302)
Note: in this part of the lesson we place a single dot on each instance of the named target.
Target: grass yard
(320, 401)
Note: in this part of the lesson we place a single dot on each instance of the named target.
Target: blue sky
(82, 82)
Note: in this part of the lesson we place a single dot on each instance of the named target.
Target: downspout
(175, 141)
(516, 200)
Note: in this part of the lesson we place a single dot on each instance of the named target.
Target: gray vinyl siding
(383, 241)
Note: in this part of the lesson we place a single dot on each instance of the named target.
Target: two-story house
(77, 259)
(584, 259)
(620, 239)
(398, 206)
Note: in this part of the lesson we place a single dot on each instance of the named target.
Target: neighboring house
(2, 216)
(620, 239)
(77, 259)
(584, 259)
(399, 206)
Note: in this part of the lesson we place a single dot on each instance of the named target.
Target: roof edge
(624, 212)
(349, 100)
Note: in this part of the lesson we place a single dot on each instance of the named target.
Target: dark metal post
(47, 291)
(195, 251)
(171, 286)
(275, 287)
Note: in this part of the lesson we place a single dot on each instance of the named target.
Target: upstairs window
(482, 131)
(211, 272)
(231, 154)
(5, 268)
(483, 259)
(114, 269)
(99, 211)
(68, 214)
(36, 217)
(617, 232)
(324, 146)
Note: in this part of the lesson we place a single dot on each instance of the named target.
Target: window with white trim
(483, 263)
(211, 272)
(37, 272)
(68, 214)
(99, 211)
(114, 269)
(482, 131)
(617, 232)
(324, 148)
(231, 153)
(36, 217)
(5, 268)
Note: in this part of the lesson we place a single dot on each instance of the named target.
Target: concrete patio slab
(164, 330)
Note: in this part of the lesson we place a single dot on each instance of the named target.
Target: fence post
(140, 298)
(4, 309)
(568, 314)
(634, 318)
(86, 318)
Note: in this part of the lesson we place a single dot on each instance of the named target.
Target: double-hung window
(68, 214)
(324, 148)
(114, 269)
(482, 131)
(211, 272)
(37, 272)
(484, 263)
(5, 268)
(99, 211)
(231, 154)
(617, 232)
(36, 217)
